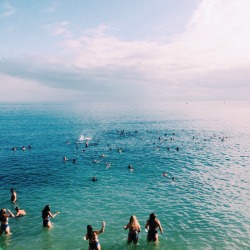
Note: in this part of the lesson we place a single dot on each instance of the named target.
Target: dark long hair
(90, 232)
(3, 216)
(152, 221)
(45, 211)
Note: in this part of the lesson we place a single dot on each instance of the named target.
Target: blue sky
(124, 50)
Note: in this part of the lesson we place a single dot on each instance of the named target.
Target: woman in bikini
(152, 224)
(91, 236)
(4, 217)
(46, 215)
(134, 229)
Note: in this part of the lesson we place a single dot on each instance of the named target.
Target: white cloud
(210, 60)
(7, 10)
(58, 28)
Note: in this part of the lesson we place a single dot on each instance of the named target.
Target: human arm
(126, 227)
(160, 227)
(103, 228)
(11, 214)
(147, 226)
(53, 215)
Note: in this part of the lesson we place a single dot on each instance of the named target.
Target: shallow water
(206, 207)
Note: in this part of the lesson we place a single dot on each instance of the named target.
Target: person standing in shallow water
(91, 236)
(46, 215)
(134, 230)
(4, 217)
(152, 225)
(13, 197)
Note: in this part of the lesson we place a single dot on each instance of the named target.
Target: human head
(3, 210)
(12, 190)
(46, 208)
(133, 219)
(17, 209)
(152, 216)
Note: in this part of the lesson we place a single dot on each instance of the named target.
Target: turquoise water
(206, 207)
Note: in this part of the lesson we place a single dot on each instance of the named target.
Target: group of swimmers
(133, 225)
(6, 214)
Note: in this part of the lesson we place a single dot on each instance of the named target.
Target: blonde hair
(134, 222)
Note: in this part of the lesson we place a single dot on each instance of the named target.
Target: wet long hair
(90, 232)
(45, 211)
(152, 221)
(134, 222)
(3, 215)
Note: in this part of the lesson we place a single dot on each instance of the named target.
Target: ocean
(204, 146)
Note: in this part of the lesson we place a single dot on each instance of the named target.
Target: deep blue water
(206, 207)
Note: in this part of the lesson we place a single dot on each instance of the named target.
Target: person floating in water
(19, 212)
(92, 237)
(151, 225)
(94, 178)
(4, 217)
(130, 167)
(134, 230)
(13, 197)
(164, 174)
(46, 215)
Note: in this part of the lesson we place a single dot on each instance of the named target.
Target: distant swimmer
(164, 174)
(94, 178)
(108, 165)
(95, 161)
(92, 237)
(130, 167)
(65, 159)
(46, 215)
(134, 230)
(29, 147)
(4, 217)
(102, 155)
(13, 197)
(173, 178)
(152, 224)
(86, 144)
(19, 212)
(74, 160)
(14, 149)
(23, 148)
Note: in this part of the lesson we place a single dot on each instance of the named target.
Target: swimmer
(164, 174)
(74, 160)
(4, 217)
(14, 149)
(23, 148)
(173, 178)
(65, 159)
(108, 165)
(19, 212)
(151, 225)
(102, 155)
(134, 230)
(94, 178)
(92, 237)
(46, 215)
(13, 197)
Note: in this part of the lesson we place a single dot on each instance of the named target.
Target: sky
(124, 50)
